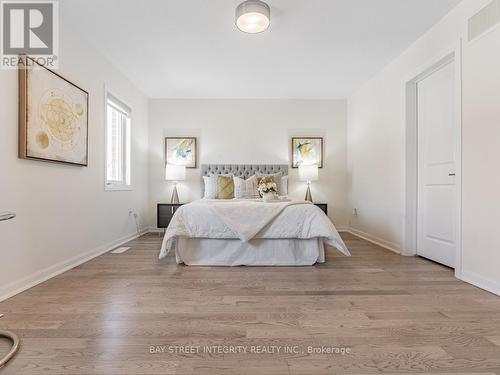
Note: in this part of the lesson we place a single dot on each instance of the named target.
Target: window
(118, 134)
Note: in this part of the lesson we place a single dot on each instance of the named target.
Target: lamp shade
(253, 16)
(308, 172)
(175, 172)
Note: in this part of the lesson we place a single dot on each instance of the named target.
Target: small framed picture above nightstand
(323, 206)
(164, 213)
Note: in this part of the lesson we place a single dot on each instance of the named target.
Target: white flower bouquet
(267, 188)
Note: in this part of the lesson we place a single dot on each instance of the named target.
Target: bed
(249, 232)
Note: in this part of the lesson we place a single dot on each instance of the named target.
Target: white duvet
(249, 219)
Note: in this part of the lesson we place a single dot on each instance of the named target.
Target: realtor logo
(29, 28)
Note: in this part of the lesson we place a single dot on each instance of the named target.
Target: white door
(437, 155)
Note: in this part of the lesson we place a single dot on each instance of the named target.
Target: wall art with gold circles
(53, 116)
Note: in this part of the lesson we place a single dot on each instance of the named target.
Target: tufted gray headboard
(241, 170)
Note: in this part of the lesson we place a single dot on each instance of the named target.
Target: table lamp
(175, 173)
(308, 173)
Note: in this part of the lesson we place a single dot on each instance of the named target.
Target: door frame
(410, 149)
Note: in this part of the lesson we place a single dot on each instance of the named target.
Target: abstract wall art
(181, 151)
(307, 151)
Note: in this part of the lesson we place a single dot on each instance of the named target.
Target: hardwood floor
(395, 315)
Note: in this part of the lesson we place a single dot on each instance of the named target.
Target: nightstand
(164, 213)
(323, 206)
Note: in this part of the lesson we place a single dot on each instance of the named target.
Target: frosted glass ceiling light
(253, 16)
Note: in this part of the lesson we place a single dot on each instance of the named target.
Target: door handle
(451, 174)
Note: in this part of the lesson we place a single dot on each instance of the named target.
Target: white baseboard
(38, 277)
(375, 240)
(342, 229)
(155, 230)
(481, 282)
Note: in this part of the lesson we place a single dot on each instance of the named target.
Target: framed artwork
(307, 150)
(181, 151)
(53, 116)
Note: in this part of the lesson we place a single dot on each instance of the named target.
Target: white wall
(64, 214)
(251, 132)
(376, 141)
(481, 157)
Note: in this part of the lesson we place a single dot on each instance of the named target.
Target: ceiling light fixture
(253, 16)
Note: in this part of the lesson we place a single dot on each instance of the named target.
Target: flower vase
(268, 197)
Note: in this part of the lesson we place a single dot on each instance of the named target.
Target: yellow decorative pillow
(225, 186)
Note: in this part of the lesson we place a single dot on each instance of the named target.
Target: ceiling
(192, 49)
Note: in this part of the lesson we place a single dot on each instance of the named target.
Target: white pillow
(284, 186)
(211, 188)
(245, 188)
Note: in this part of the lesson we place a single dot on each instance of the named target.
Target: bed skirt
(259, 252)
